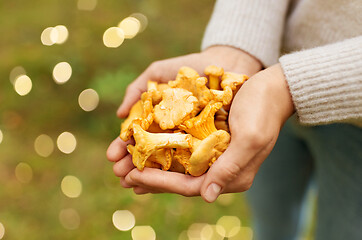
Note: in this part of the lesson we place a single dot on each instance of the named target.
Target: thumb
(225, 170)
(133, 94)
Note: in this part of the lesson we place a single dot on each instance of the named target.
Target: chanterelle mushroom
(156, 90)
(135, 112)
(206, 151)
(162, 158)
(233, 80)
(214, 73)
(148, 143)
(142, 112)
(202, 125)
(176, 106)
(224, 96)
(186, 79)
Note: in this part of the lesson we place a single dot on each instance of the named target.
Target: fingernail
(212, 192)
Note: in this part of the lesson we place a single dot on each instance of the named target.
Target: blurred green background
(31, 208)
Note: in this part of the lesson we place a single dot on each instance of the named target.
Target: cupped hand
(257, 114)
(231, 59)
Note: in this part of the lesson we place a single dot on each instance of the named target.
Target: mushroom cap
(207, 151)
(156, 89)
(163, 157)
(214, 71)
(126, 129)
(202, 125)
(233, 80)
(186, 79)
(177, 105)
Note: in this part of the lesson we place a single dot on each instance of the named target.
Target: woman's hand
(231, 59)
(257, 114)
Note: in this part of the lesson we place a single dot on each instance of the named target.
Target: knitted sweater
(321, 42)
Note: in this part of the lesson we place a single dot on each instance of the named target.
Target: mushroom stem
(147, 143)
(214, 82)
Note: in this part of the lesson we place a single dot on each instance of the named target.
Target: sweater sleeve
(326, 82)
(254, 26)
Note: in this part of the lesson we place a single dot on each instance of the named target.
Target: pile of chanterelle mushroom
(182, 126)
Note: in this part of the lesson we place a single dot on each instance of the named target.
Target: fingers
(163, 181)
(141, 190)
(225, 171)
(123, 167)
(133, 94)
(117, 149)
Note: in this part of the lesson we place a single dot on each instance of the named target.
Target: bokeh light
(245, 233)
(47, 36)
(194, 230)
(71, 186)
(208, 232)
(88, 100)
(87, 5)
(1, 136)
(228, 226)
(113, 37)
(66, 142)
(43, 145)
(2, 230)
(23, 85)
(130, 26)
(226, 199)
(62, 72)
(62, 34)
(123, 220)
(142, 19)
(143, 233)
(15, 73)
(23, 172)
(69, 218)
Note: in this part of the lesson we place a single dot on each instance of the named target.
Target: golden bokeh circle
(143, 233)
(123, 220)
(1, 136)
(130, 26)
(142, 19)
(15, 73)
(194, 230)
(113, 37)
(69, 218)
(228, 226)
(71, 186)
(66, 142)
(62, 34)
(62, 72)
(23, 85)
(44, 145)
(23, 172)
(2, 231)
(46, 36)
(88, 99)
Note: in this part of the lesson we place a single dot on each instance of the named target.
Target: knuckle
(231, 171)
(116, 170)
(256, 140)
(247, 182)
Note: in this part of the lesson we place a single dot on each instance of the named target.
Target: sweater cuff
(253, 26)
(326, 82)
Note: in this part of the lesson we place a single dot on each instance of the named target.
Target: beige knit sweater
(321, 42)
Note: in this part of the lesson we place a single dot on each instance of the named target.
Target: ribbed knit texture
(326, 82)
(258, 32)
